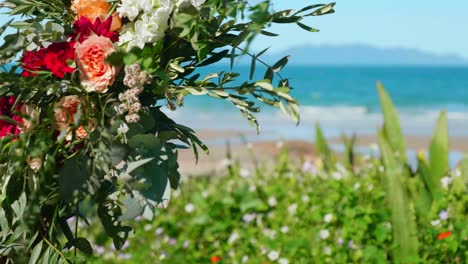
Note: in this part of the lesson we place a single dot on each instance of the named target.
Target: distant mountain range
(364, 55)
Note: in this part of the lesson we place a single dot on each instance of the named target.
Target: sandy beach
(261, 151)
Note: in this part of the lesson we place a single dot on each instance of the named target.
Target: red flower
(54, 58)
(6, 109)
(33, 61)
(85, 28)
(57, 56)
(444, 235)
(215, 259)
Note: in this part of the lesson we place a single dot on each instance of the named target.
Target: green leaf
(439, 152)
(131, 166)
(145, 141)
(280, 64)
(306, 27)
(133, 208)
(405, 237)
(392, 129)
(130, 58)
(72, 177)
(252, 67)
(323, 149)
(324, 10)
(83, 245)
(36, 253)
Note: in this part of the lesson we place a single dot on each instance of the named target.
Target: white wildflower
(308, 166)
(244, 259)
(305, 198)
(159, 231)
(328, 218)
(247, 218)
(292, 208)
(443, 215)
(244, 173)
(233, 237)
(435, 222)
(284, 229)
(283, 261)
(273, 255)
(370, 187)
(356, 186)
(327, 250)
(457, 173)
(446, 181)
(189, 208)
(324, 234)
(272, 201)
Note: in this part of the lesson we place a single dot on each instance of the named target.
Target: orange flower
(65, 111)
(95, 73)
(215, 259)
(444, 235)
(93, 9)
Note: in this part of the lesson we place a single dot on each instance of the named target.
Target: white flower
(446, 181)
(244, 259)
(324, 233)
(273, 255)
(457, 173)
(435, 222)
(305, 198)
(337, 175)
(149, 28)
(292, 208)
(272, 201)
(443, 215)
(356, 186)
(225, 163)
(327, 250)
(284, 229)
(247, 218)
(283, 261)
(123, 128)
(129, 9)
(328, 218)
(244, 172)
(159, 231)
(233, 237)
(189, 208)
(370, 187)
(308, 166)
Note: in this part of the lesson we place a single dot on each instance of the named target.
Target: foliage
(82, 132)
(283, 213)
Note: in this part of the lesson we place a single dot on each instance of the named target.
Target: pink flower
(95, 73)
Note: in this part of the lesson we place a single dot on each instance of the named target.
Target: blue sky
(435, 26)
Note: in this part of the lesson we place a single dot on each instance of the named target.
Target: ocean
(342, 99)
(345, 99)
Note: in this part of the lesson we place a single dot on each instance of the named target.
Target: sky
(440, 27)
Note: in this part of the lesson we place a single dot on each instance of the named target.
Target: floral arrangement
(82, 132)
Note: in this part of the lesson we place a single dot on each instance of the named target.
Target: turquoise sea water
(345, 99)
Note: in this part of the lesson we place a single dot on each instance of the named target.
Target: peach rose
(96, 75)
(93, 9)
(65, 111)
(34, 163)
(31, 119)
